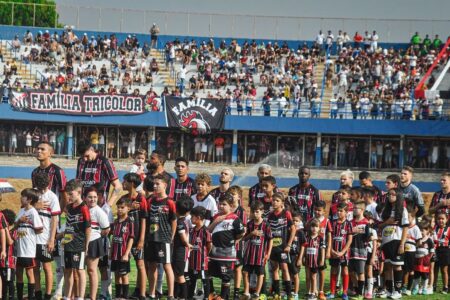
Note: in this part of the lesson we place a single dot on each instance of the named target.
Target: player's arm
(347, 245)
(117, 185)
(8, 237)
(374, 251)
(328, 243)
(300, 255)
(292, 232)
(126, 255)
(269, 250)
(3, 243)
(140, 244)
(432, 210)
(87, 232)
(53, 227)
(322, 256)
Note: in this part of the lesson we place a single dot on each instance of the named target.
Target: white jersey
(394, 232)
(107, 209)
(46, 216)
(372, 208)
(414, 235)
(209, 203)
(26, 235)
(99, 222)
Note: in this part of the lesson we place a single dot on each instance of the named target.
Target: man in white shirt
(329, 41)
(339, 42)
(437, 104)
(319, 39)
(374, 42)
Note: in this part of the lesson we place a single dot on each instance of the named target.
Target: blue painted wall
(283, 182)
(256, 124)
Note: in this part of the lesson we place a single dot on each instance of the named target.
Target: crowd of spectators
(367, 81)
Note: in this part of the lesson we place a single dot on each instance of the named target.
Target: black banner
(41, 101)
(197, 116)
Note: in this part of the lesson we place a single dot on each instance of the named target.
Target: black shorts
(357, 265)
(443, 257)
(74, 260)
(26, 262)
(252, 269)
(158, 252)
(221, 269)
(137, 254)
(8, 273)
(293, 269)
(239, 258)
(103, 262)
(390, 251)
(180, 266)
(42, 254)
(279, 256)
(410, 261)
(96, 249)
(336, 262)
(120, 267)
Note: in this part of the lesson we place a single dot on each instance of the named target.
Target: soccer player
(411, 193)
(203, 197)
(237, 192)
(200, 239)
(184, 185)
(304, 195)
(341, 236)
(93, 168)
(283, 232)
(137, 215)
(299, 240)
(100, 227)
(225, 179)
(122, 241)
(46, 239)
(313, 255)
(259, 247)
(256, 192)
(8, 264)
(226, 228)
(181, 246)
(161, 224)
(268, 186)
(28, 224)
(76, 240)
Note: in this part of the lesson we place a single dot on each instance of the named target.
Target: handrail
(419, 91)
(327, 55)
(10, 49)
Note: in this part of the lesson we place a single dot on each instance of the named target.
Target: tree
(39, 13)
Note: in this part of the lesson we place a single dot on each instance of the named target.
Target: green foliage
(39, 13)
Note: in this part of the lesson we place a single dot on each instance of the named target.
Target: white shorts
(219, 151)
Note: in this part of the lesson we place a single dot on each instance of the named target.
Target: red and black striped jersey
(56, 175)
(280, 225)
(332, 215)
(442, 237)
(99, 170)
(160, 215)
(297, 243)
(122, 232)
(78, 219)
(224, 237)
(240, 212)
(10, 260)
(303, 199)
(179, 249)
(184, 188)
(216, 193)
(137, 214)
(335, 198)
(170, 189)
(361, 235)
(256, 193)
(199, 239)
(257, 246)
(340, 232)
(325, 227)
(313, 247)
(439, 197)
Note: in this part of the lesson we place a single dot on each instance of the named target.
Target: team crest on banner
(197, 116)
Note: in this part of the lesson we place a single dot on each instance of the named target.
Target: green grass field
(435, 296)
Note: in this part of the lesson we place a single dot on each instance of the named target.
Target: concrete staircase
(164, 72)
(24, 71)
(327, 93)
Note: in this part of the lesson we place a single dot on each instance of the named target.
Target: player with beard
(57, 176)
(93, 168)
(256, 193)
(225, 179)
(155, 166)
(184, 185)
(411, 193)
(304, 195)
